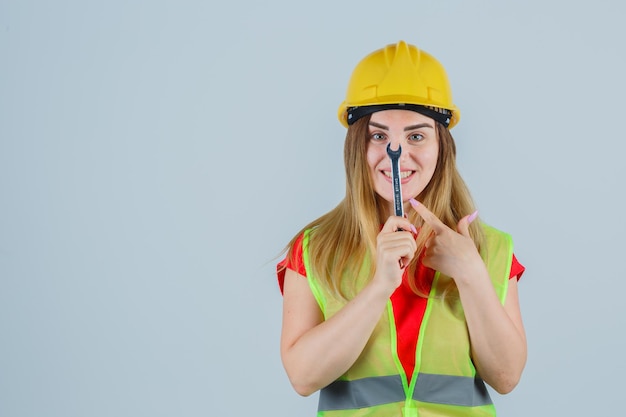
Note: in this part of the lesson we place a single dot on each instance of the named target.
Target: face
(420, 148)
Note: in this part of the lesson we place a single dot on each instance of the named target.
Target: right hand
(394, 251)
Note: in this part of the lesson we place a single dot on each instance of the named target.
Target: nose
(395, 143)
(404, 156)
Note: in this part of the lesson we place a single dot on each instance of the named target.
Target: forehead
(400, 117)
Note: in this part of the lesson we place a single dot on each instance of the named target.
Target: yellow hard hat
(399, 76)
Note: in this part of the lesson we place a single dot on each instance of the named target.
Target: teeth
(403, 174)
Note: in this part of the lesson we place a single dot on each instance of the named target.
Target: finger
(400, 243)
(397, 244)
(406, 253)
(395, 223)
(463, 226)
(433, 221)
(428, 243)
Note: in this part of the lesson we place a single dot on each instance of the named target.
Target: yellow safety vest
(444, 381)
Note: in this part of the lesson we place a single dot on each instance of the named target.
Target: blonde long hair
(341, 239)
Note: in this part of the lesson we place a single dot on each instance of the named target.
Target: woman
(401, 315)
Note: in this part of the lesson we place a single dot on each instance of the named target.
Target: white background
(156, 156)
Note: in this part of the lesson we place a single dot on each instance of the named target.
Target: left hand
(450, 252)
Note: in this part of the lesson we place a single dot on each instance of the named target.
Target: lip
(402, 180)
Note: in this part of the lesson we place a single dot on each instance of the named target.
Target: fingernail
(472, 217)
(414, 202)
(413, 229)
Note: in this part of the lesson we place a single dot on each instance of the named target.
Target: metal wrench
(395, 179)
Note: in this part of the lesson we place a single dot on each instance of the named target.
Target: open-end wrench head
(394, 154)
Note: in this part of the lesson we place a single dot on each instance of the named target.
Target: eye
(378, 137)
(416, 137)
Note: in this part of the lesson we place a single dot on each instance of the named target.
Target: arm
(496, 332)
(497, 336)
(316, 352)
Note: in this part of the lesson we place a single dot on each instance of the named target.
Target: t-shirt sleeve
(293, 262)
(517, 269)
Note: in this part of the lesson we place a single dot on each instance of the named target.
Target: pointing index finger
(433, 221)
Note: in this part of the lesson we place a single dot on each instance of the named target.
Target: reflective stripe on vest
(430, 388)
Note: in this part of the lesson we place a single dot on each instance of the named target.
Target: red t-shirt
(408, 307)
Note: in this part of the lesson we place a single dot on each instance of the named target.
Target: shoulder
(496, 241)
(499, 241)
(491, 233)
(293, 260)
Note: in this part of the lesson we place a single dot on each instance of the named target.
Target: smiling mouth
(403, 174)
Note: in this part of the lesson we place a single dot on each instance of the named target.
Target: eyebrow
(417, 126)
